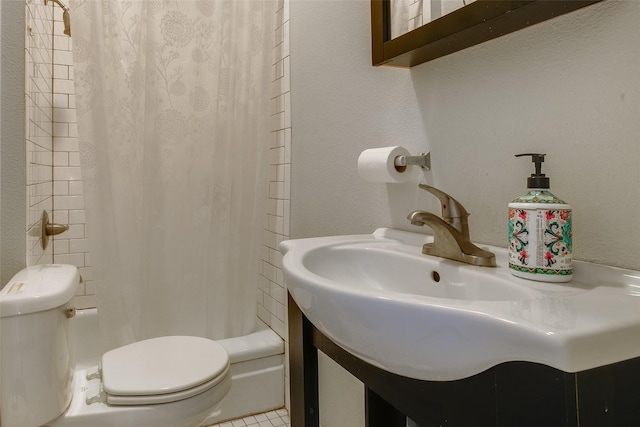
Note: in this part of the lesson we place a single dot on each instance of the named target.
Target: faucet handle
(452, 211)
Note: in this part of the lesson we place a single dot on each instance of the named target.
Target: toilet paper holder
(423, 160)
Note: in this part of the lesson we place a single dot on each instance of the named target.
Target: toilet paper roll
(377, 165)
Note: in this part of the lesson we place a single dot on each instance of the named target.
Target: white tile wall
(39, 128)
(71, 247)
(272, 295)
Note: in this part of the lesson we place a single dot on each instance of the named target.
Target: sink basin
(429, 318)
(366, 267)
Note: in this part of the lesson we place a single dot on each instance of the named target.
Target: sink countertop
(381, 299)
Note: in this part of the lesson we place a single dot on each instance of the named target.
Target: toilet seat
(162, 370)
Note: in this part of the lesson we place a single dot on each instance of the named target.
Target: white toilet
(174, 381)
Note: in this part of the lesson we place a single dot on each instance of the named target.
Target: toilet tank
(35, 350)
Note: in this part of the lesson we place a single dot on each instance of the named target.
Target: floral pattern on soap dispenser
(552, 228)
(519, 235)
(557, 236)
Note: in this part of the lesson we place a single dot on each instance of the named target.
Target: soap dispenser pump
(540, 239)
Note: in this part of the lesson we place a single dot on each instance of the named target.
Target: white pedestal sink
(429, 318)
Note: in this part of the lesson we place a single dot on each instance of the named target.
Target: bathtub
(257, 366)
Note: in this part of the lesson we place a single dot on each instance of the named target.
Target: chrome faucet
(451, 232)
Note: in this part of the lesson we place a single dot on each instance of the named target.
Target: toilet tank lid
(39, 288)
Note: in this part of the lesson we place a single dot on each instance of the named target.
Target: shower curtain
(172, 100)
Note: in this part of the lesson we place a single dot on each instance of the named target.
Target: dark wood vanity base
(514, 394)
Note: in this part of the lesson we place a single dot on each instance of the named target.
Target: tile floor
(277, 418)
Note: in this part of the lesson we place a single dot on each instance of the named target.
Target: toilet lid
(163, 366)
(221, 383)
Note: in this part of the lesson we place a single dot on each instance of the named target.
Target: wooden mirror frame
(470, 25)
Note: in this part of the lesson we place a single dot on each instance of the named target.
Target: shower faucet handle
(48, 229)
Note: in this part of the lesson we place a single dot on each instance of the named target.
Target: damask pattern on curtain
(173, 100)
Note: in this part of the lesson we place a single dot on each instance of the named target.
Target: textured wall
(569, 87)
(12, 136)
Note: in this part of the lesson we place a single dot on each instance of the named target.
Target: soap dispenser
(540, 246)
